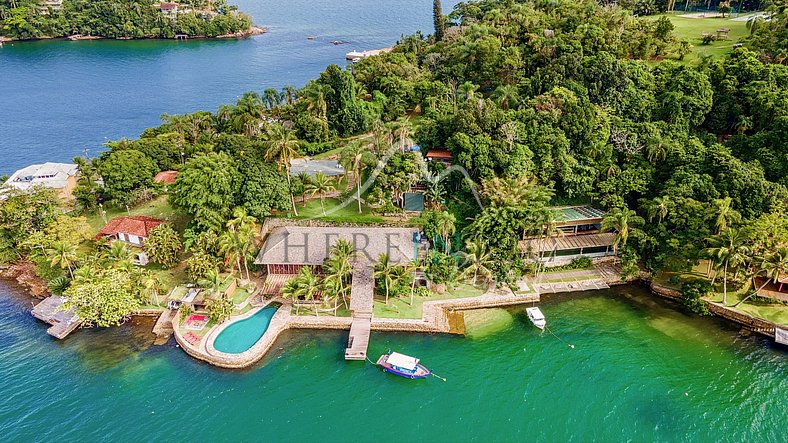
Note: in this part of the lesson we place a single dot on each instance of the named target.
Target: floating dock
(364, 54)
(50, 311)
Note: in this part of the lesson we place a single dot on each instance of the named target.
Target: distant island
(122, 19)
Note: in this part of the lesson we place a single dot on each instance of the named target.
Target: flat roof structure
(51, 175)
(331, 168)
(297, 245)
(568, 242)
(577, 215)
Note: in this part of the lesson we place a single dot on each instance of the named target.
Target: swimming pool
(243, 334)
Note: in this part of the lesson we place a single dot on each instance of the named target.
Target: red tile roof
(439, 153)
(137, 225)
(167, 6)
(166, 177)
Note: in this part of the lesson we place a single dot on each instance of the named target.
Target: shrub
(58, 285)
(692, 294)
(221, 309)
(708, 39)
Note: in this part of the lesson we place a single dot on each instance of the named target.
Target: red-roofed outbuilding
(166, 177)
(134, 230)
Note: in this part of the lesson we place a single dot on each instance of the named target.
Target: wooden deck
(361, 299)
(50, 311)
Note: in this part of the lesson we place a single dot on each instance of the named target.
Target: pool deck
(435, 319)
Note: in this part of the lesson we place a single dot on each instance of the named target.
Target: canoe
(403, 365)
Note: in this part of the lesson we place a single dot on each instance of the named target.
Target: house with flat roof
(330, 168)
(62, 177)
(132, 230)
(578, 233)
(287, 249)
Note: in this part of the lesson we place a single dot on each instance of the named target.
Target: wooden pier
(50, 311)
(361, 300)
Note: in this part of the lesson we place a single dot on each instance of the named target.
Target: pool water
(243, 334)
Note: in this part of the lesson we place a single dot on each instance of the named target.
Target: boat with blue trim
(403, 365)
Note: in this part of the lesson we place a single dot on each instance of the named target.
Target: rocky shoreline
(24, 274)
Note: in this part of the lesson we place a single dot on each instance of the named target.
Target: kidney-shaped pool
(243, 334)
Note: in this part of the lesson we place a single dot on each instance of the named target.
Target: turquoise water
(634, 359)
(61, 97)
(242, 334)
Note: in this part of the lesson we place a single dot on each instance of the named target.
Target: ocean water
(640, 371)
(59, 98)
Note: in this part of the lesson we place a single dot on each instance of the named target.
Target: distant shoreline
(252, 31)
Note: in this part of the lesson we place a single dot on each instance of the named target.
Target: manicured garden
(692, 29)
(400, 307)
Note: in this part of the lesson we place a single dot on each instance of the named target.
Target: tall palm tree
(320, 185)
(282, 147)
(385, 271)
(506, 96)
(231, 247)
(446, 227)
(353, 157)
(478, 261)
(63, 254)
(723, 210)
(658, 207)
(213, 281)
(248, 113)
(289, 94)
(773, 266)
(623, 221)
(120, 254)
(305, 285)
(315, 96)
(728, 251)
(150, 283)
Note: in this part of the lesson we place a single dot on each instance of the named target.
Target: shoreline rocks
(24, 273)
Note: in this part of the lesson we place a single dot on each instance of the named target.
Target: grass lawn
(773, 312)
(690, 29)
(169, 278)
(698, 272)
(159, 208)
(399, 307)
(335, 213)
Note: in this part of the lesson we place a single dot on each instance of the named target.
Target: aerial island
(521, 149)
(123, 20)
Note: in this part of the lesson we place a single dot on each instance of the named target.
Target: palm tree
(247, 114)
(723, 210)
(120, 254)
(506, 96)
(321, 185)
(353, 157)
(272, 98)
(773, 266)
(623, 221)
(213, 281)
(658, 207)
(150, 282)
(435, 192)
(230, 246)
(64, 255)
(446, 227)
(289, 94)
(478, 260)
(728, 251)
(282, 147)
(315, 96)
(241, 219)
(385, 270)
(305, 285)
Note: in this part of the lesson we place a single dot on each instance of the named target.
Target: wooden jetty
(361, 299)
(364, 54)
(163, 328)
(50, 311)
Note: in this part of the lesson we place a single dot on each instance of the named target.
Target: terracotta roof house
(166, 177)
(169, 9)
(132, 230)
(59, 176)
(440, 155)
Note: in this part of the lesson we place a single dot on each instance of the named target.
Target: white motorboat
(536, 317)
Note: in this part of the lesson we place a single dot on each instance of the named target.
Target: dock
(50, 311)
(364, 54)
(163, 328)
(361, 300)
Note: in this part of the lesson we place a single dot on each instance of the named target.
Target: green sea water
(640, 371)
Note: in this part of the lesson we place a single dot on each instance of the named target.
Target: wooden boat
(536, 317)
(403, 365)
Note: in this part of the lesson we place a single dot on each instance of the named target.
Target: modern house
(50, 5)
(578, 233)
(62, 177)
(132, 230)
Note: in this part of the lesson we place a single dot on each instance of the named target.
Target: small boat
(536, 317)
(403, 365)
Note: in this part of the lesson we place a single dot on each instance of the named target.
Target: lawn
(336, 213)
(691, 29)
(159, 208)
(399, 307)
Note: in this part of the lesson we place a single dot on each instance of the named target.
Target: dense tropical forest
(541, 102)
(34, 19)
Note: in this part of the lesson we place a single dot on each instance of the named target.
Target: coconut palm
(231, 247)
(478, 262)
(728, 251)
(446, 227)
(623, 221)
(658, 207)
(120, 254)
(63, 254)
(320, 185)
(385, 271)
(353, 157)
(304, 178)
(315, 96)
(150, 283)
(282, 147)
(773, 266)
(213, 281)
(305, 285)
